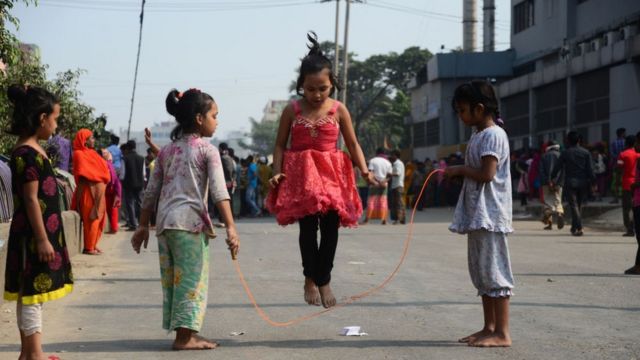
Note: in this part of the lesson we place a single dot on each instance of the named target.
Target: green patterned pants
(184, 272)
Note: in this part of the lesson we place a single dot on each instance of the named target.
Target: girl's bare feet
(494, 340)
(311, 294)
(326, 295)
(475, 336)
(187, 339)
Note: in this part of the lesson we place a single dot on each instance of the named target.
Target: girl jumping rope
(185, 169)
(38, 268)
(314, 182)
(484, 209)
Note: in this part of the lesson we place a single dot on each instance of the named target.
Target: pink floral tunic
(184, 171)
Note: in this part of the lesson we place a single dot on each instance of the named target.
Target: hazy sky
(242, 52)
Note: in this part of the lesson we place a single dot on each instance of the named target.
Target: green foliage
(263, 137)
(377, 97)
(9, 50)
(74, 114)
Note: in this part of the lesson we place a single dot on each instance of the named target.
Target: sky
(242, 52)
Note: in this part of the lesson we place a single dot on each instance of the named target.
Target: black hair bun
(16, 94)
(314, 48)
(172, 102)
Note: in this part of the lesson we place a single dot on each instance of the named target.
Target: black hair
(396, 153)
(478, 92)
(620, 131)
(315, 62)
(638, 136)
(250, 159)
(131, 145)
(185, 107)
(380, 151)
(29, 103)
(573, 138)
(115, 140)
(629, 141)
(223, 146)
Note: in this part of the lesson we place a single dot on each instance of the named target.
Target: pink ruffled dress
(319, 177)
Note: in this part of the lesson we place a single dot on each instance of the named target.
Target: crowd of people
(181, 187)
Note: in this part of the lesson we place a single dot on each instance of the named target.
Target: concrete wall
(597, 15)
(550, 28)
(73, 237)
(624, 99)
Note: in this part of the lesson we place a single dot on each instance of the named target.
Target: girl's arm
(150, 197)
(32, 205)
(233, 241)
(350, 140)
(281, 142)
(483, 175)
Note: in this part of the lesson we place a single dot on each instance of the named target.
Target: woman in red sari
(92, 176)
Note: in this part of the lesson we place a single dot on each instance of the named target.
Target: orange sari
(92, 175)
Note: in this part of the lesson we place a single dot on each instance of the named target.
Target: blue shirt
(116, 154)
(251, 175)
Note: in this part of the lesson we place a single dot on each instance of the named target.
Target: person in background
(627, 163)
(113, 194)
(551, 196)
(133, 184)
(116, 155)
(252, 187)
(617, 146)
(377, 204)
(92, 176)
(397, 188)
(635, 187)
(63, 146)
(576, 163)
(264, 174)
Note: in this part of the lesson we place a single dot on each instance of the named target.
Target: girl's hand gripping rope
(233, 241)
(276, 180)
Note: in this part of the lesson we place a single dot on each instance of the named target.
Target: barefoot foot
(311, 293)
(326, 295)
(196, 342)
(475, 336)
(493, 340)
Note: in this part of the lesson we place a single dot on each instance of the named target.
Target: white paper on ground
(352, 331)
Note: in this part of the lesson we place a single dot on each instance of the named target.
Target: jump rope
(352, 298)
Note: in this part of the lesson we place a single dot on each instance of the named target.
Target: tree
(263, 137)
(26, 69)
(9, 49)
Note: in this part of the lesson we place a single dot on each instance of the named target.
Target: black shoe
(548, 227)
(634, 270)
(578, 233)
(560, 222)
(629, 234)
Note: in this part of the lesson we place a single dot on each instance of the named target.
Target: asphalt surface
(571, 302)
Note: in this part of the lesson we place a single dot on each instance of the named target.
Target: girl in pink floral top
(187, 170)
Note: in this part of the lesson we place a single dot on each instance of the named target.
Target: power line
(176, 7)
(135, 76)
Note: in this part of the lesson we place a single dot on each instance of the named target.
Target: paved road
(571, 301)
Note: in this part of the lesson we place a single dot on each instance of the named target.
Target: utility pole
(135, 75)
(345, 60)
(336, 59)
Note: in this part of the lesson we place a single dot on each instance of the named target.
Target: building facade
(574, 65)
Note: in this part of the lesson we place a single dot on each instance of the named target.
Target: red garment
(319, 178)
(87, 163)
(92, 176)
(627, 159)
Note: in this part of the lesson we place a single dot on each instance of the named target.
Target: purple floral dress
(26, 276)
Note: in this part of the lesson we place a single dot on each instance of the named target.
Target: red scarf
(87, 163)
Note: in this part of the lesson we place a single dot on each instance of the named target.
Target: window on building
(551, 106)
(592, 97)
(523, 16)
(433, 132)
(420, 134)
(515, 113)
